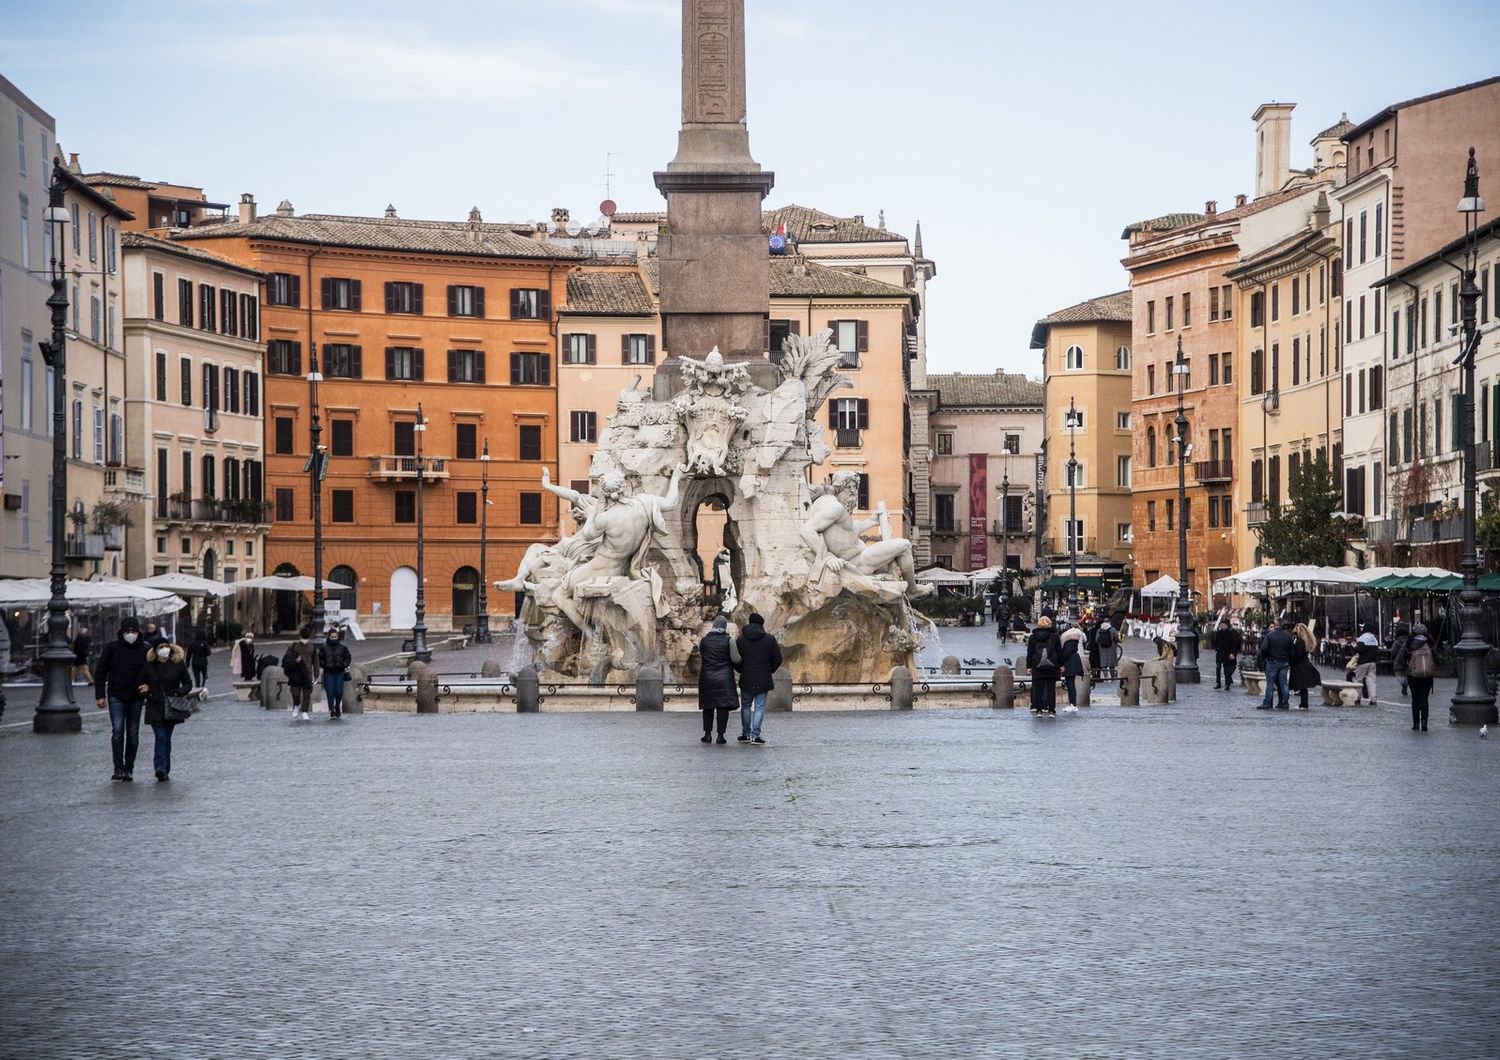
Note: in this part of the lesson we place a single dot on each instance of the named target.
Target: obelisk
(715, 289)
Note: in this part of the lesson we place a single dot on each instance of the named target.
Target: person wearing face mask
(117, 687)
(242, 657)
(165, 674)
(335, 660)
(301, 665)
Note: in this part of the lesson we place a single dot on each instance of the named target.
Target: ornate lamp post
(1002, 618)
(1474, 700)
(57, 712)
(316, 467)
(1186, 664)
(420, 651)
(1072, 422)
(482, 630)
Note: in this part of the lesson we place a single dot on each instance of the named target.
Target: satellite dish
(602, 223)
(608, 207)
(573, 229)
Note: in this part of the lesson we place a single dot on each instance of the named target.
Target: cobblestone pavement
(1197, 880)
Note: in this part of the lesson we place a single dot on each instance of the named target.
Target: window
(284, 429)
(582, 426)
(343, 506)
(284, 504)
(404, 438)
(1171, 514)
(1187, 309)
(1296, 295)
(531, 441)
(1363, 234)
(95, 323)
(341, 293)
(341, 435)
(1213, 512)
(1296, 360)
(466, 507)
(1380, 225)
(1012, 444)
(1275, 366)
(161, 376)
(1226, 368)
(637, 349)
(1275, 302)
(1122, 359)
(1150, 515)
(249, 324)
(945, 444)
(231, 389)
(466, 441)
(852, 338)
(93, 237)
(1151, 318)
(252, 394)
(466, 366)
(405, 506)
(1123, 535)
(404, 363)
(1393, 440)
(1187, 513)
(185, 381)
(580, 349)
(1150, 446)
(1073, 530)
(1213, 369)
(1122, 421)
(1122, 471)
(530, 303)
(1257, 371)
(1171, 301)
(1076, 415)
(862, 501)
(1073, 358)
(207, 311)
(530, 369)
(1377, 391)
(1437, 316)
(777, 332)
(158, 296)
(403, 297)
(1213, 304)
(228, 324)
(1073, 475)
(465, 301)
(1185, 376)
(847, 417)
(282, 288)
(283, 357)
(342, 360)
(944, 522)
(1226, 298)
(1361, 316)
(530, 509)
(28, 384)
(1150, 379)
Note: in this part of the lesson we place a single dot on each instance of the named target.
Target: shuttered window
(403, 297)
(466, 441)
(283, 288)
(531, 441)
(249, 325)
(530, 303)
(848, 417)
(404, 437)
(530, 369)
(582, 426)
(158, 296)
(284, 502)
(580, 349)
(530, 505)
(637, 349)
(284, 357)
(185, 381)
(184, 303)
(405, 506)
(343, 506)
(466, 366)
(342, 437)
(465, 301)
(466, 507)
(283, 435)
(252, 394)
(343, 361)
(404, 363)
(161, 377)
(341, 293)
(228, 318)
(851, 338)
(206, 312)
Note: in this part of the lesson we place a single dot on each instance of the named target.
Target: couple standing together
(756, 656)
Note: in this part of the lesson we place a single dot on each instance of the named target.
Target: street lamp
(57, 712)
(316, 468)
(1072, 512)
(420, 651)
(482, 631)
(1002, 614)
(1186, 664)
(1474, 699)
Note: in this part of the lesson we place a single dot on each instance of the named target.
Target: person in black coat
(334, 660)
(117, 684)
(198, 658)
(717, 659)
(164, 675)
(1228, 643)
(1304, 672)
(760, 658)
(1043, 658)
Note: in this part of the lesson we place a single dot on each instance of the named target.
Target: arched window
(343, 599)
(1073, 358)
(1122, 359)
(1150, 446)
(465, 595)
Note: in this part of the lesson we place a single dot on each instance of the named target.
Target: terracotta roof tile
(1000, 390)
(134, 240)
(117, 180)
(1338, 129)
(1106, 307)
(387, 233)
(807, 225)
(800, 277)
(608, 294)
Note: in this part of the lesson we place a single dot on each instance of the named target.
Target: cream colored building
(194, 401)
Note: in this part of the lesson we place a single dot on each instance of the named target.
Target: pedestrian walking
(760, 658)
(153, 635)
(300, 665)
(198, 656)
(1303, 674)
(1228, 643)
(1399, 654)
(1072, 640)
(1417, 662)
(83, 647)
(335, 660)
(1367, 651)
(117, 687)
(163, 679)
(1275, 660)
(717, 658)
(1043, 658)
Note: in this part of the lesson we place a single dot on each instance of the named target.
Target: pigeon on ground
(1484, 730)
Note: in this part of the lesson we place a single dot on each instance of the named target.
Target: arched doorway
(403, 598)
(343, 599)
(707, 527)
(465, 596)
(285, 607)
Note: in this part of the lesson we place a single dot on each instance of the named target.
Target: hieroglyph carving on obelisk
(713, 41)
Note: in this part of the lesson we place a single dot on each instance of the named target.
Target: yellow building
(1086, 351)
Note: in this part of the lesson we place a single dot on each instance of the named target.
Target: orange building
(455, 317)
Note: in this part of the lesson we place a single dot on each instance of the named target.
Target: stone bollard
(1154, 677)
(1130, 683)
(1003, 685)
(902, 693)
(491, 668)
(275, 693)
(425, 678)
(1021, 668)
(952, 665)
(1083, 684)
(354, 690)
(780, 698)
(1171, 681)
(649, 694)
(528, 691)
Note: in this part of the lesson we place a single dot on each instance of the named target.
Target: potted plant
(110, 519)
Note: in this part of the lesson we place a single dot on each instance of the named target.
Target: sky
(1023, 139)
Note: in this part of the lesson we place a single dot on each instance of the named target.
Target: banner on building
(979, 542)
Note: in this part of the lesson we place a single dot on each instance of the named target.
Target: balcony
(1058, 546)
(846, 439)
(84, 546)
(236, 512)
(1381, 531)
(131, 481)
(1255, 513)
(1431, 531)
(1214, 470)
(404, 468)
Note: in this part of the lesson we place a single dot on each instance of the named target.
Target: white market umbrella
(986, 574)
(1164, 586)
(299, 583)
(186, 584)
(149, 603)
(942, 576)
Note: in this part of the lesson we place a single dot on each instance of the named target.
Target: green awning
(1445, 583)
(1060, 581)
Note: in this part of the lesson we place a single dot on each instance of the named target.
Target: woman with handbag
(1303, 674)
(164, 684)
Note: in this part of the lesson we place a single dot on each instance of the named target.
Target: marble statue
(834, 538)
(709, 410)
(581, 505)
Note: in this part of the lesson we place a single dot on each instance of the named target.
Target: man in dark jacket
(1276, 662)
(717, 658)
(117, 681)
(1228, 643)
(335, 660)
(760, 658)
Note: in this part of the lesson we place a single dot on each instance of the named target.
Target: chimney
(284, 209)
(1273, 146)
(247, 208)
(1211, 208)
(390, 211)
(559, 215)
(1239, 200)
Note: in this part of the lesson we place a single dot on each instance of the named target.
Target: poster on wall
(979, 549)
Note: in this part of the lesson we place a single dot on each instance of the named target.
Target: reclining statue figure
(833, 536)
